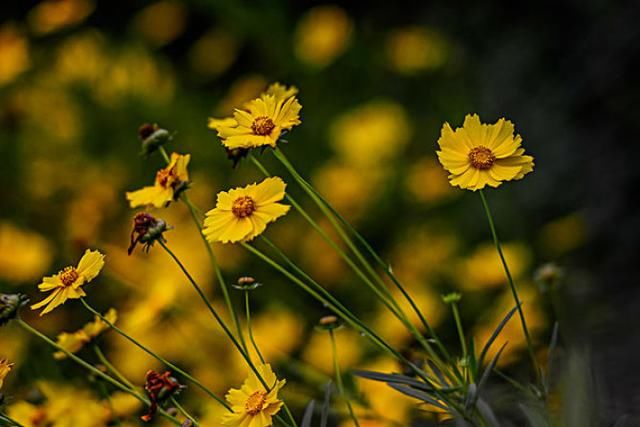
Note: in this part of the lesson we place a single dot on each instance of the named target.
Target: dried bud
(187, 423)
(146, 230)
(159, 388)
(236, 154)
(451, 298)
(548, 276)
(247, 283)
(328, 323)
(9, 306)
(152, 137)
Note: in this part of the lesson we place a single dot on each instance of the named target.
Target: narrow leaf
(324, 414)
(494, 335)
(308, 414)
(417, 394)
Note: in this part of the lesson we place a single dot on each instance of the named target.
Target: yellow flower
(261, 121)
(67, 284)
(170, 182)
(73, 342)
(322, 35)
(243, 213)
(5, 368)
(478, 154)
(252, 405)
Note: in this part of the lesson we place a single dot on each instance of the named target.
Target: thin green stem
(10, 421)
(103, 359)
(512, 285)
(336, 368)
(456, 316)
(184, 411)
(93, 369)
(156, 356)
(249, 329)
(164, 155)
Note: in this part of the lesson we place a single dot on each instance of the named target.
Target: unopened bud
(9, 306)
(329, 322)
(451, 298)
(146, 230)
(247, 283)
(152, 137)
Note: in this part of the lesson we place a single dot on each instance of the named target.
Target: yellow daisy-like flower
(74, 341)
(170, 182)
(243, 213)
(5, 368)
(261, 121)
(252, 405)
(67, 284)
(479, 154)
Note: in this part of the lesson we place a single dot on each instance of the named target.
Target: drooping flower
(243, 213)
(74, 341)
(260, 122)
(480, 154)
(146, 230)
(67, 284)
(252, 405)
(5, 368)
(159, 388)
(170, 182)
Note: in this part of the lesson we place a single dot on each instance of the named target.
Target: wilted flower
(67, 284)
(479, 154)
(170, 182)
(252, 405)
(146, 230)
(74, 341)
(152, 137)
(5, 368)
(9, 306)
(243, 213)
(159, 388)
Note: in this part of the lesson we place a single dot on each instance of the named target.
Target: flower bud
(548, 276)
(247, 283)
(451, 298)
(152, 137)
(329, 323)
(146, 230)
(9, 306)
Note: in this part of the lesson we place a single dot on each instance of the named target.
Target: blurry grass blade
(308, 414)
(494, 335)
(492, 364)
(535, 416)
(438, 373)
(417, 394)
(473, 361)
(487, 413)
(471, 397)
(393, 378)
(324, 414)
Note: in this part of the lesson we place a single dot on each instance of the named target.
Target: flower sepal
(10, 304)
(152, 137)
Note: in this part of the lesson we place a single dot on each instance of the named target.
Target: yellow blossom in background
(317, 352)
(371, 134)
(260, 122)
(74, 341)
(213, 53)
(53, 15)
(563, 235)
(5, 368)
(252, 405)
(278, 331)
(170, 182)
(123, 405)
(243, 213)
(322, 35)
(241, 91)
(478, 154)
(14, 53)
(81, 58)
(483, 268)
(161, 22)
(28, 414)
(413, 49)
(426, 182)
(24, 255)
(67, 284)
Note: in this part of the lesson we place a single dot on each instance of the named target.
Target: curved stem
(103, 359)
(336, 368)
(249, 329)
(184, 411)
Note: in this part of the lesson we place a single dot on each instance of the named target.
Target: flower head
(261, 121)
(5, 368)
(479, 154)
(170, 182)
(74, 341)
(9, 306)
(146, 230)
(159, 388)
(243, 213)
(67, 284)
(252, 405)
(152, 136)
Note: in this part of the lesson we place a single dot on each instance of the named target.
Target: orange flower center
(262, 126)
(255, 402)
(243, 207)
(165, 177)
(481, 157)
(68, 276)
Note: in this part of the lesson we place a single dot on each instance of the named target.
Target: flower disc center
(243, 207)
(68, 276)
(481, 157)
(255, 402)
(262, 126)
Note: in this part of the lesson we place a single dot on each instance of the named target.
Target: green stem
(456, 316)
(93, 369)
(8, 419)
(512, 285)
(164, 155)
(103, 359)
(336, 368)
(184, 411)
(156, 356)
(249, 329)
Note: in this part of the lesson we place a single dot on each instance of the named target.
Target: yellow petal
(90, 264)
(270, 190)
(156, 196)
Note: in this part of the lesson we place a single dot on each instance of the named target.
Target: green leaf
(324, 414)
(417, 394)
(494, 335)
(308, 414)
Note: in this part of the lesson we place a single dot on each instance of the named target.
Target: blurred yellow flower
(483, 268)
(24, 255)
(371, 134)
(242, 90)
(243, 213)
(161, 22)
(67, 284)
(426, 182)
(14, 53)
(5, 368)
(53, 15)
(123, 404)
(74, 341)
(277, 331)
(478, 154)
(563, 234)
(413, 49)
(252, 405)
(170, 182)
(322, 34)
(213, 53)
(261, 121)
(317, 352)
